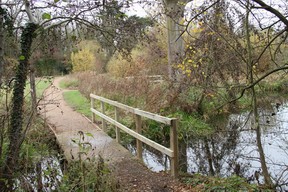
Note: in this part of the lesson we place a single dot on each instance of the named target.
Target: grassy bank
(160, 98)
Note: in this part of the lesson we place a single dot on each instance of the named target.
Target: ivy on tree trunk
(15, 132)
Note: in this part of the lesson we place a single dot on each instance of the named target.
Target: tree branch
(273, 11)
(284, 67)
(28, 11)
(197, 15)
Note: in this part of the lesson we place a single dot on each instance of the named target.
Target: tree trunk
(33, 89)
(183, 162)
(16, 121)
(1, 44)
(256, 126)
(209, 157)
(174, 14)
(39, 176)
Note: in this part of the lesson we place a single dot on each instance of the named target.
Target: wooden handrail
(172, 152)
(135, 111)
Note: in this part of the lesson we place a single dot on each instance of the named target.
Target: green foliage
(191, 125)
(85, 176)
(213, 184)
(279, 86)
(15, 129)
(191, 96)
(46, 16)
(8, 20)
(21, 57)
(50, 66)
(156, 131)
(78, 102)
(39, 143)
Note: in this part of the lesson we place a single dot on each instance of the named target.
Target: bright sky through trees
(136, 9)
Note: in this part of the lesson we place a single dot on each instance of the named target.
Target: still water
(233, 149)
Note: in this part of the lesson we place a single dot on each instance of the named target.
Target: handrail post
(117, 130)
(138, 142)
(103, 120)
(93, 107)
(174, 148)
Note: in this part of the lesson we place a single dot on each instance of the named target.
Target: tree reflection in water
(233, 148)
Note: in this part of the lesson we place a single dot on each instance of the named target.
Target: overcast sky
(136, 9)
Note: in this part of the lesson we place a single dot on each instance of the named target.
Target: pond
(233, 149)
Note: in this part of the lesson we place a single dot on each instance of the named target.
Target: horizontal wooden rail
(135, 111)
(149, 142)
(172, 152)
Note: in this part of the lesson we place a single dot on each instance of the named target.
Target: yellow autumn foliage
(88, 57)
(83, 60)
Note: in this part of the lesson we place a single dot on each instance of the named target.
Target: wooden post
(117, 130)
(139, 130)
(93, 107)
(103, 120)
(174, 148)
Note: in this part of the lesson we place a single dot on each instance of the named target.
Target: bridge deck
(68, 126)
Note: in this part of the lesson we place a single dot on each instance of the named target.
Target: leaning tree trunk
(15, 132)
(256, 126)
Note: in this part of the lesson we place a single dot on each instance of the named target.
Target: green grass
(78, 102)
(69, 83)
(41, 86)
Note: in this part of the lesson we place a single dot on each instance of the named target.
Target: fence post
(103, 120)
(139, 130)
(92, 106)
(117, 130)
(174, 148)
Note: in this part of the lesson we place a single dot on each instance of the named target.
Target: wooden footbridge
(172, 152)
(73, 131)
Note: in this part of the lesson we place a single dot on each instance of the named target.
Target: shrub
(87, 57)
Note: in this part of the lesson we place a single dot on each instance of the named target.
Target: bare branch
(284, 67)
(197, 15)
(28, 11)
(273, 11)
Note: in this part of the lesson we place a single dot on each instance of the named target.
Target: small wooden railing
(172, 152)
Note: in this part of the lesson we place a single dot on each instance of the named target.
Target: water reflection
(46, 176)
(233, 149)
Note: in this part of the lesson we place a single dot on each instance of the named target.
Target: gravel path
(68, 125)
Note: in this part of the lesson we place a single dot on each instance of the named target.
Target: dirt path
(67, 124)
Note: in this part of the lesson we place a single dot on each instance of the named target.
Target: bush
(88, 57)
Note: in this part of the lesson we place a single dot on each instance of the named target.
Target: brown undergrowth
(137, 91)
